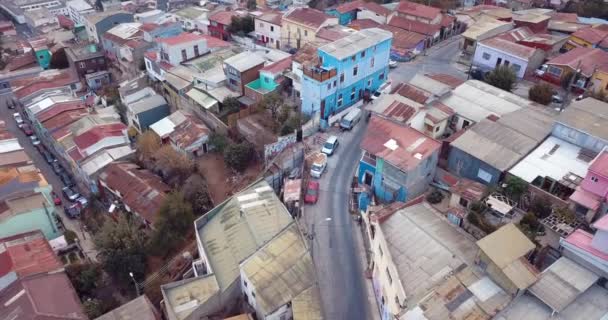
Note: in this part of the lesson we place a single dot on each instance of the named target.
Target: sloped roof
(398, 144)
(403, 39)
(349, 6)
(418, 10)
(223, 17)
(588, 115)
(94, 135)
(360, 24)
(139, 308)
(183, 37)
(593, 35)
(589, 59)
(356, 42)
(280, 270)
(307, 305)
(271, 17)
(415, 26)
(312, 18)
(27, 254)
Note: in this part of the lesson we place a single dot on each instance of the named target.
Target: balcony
(319, 74)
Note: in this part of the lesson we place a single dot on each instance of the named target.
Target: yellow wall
(600, 81)
(497, 275)
(578, 41)
(290, 32)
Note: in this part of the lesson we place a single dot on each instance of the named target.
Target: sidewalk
(371, 297)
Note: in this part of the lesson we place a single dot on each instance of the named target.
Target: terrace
(319, 74)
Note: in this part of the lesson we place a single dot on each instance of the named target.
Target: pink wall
(599, 188)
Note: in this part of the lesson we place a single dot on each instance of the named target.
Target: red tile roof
(75, 154)
(273, 17)
(349, 6)
(403, 39)
(511, 48)
(25, 86)
(223, 17)
(141, 190)
(188, 132)
(418, 10)
(213, 42)
(333, 33)
(415, 26)
(96, 134)
(593, 35)
(563, 16)
(120, 40)
(65, 22)
(26, 60)
(278, 66)
(147, 27)
(59, 108)
(374, 7)
(28, 254)
(361, 24)
(152, 55)
(600, 164)
(312, 18)
(41, 297)
(398, 144)
(588, 57)
(183, 37)
(517, 34)
(447, 20)
(582, 240)
(412, 92)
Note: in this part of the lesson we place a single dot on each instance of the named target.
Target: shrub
(70, 236)
(502, 77)
(434, 197)
(541, 93)
(238, 155)
(541, 207)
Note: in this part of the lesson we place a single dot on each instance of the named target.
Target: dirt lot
(221, 179)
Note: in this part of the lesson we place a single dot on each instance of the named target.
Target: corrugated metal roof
(280, 270)
(307, 305)
(201, 98)
(139, 308)
(561, 283)
(183, 297)
(356, 42)
(589, 116)
(244, 61)
(238, 227)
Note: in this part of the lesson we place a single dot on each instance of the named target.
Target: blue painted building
(345, 13)
(398, 162)
(348, 70)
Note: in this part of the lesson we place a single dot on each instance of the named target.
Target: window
(353, 58)
(253, 294)
(82, 65)
(261, 24)
(373, 61)
(184, 56)
(516, 67)
(355, 70)
(369, 83)
(148, 64)
(594, 179)
(340, 100)
(380, 251)
(335, 83)
(388, 275)
(305, 33)
(465, 123)
(266, 80)
(484, 175)
(381, 76)
(196, 50)
(363, 54)
(555, 71)
(463, 202)
(374, 48)
(486, 56)
(352, 94)
(328, 86)
(271, 28)
(245, 283)
(341, 77)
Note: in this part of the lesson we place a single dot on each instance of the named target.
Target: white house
(183, 47)
(494, 52)
(78, 9)
(149, 16)
(193, 18)
(268, 29)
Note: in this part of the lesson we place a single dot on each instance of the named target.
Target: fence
(213, 122)
(271, 150)
(283, 165)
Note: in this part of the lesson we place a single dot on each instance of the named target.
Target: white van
(350, 119)
(330, 145)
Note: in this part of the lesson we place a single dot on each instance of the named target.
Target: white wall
(494, 55)
(368, 14)
(600, 241)
(105, 143)
(263, 28)
(175, 51)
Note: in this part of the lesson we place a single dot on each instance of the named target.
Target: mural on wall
(271, 150)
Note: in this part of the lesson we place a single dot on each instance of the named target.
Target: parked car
(70, 194)
(18, 118)
(330, 146)
(319, 163)
(65, 179)
(350, 119)
(10, 104)
(556, 98)
(35, 140)
(82, 201)
(376, 95)
(56, 167)
(56, 198)
(27, 129)
(541, 70)
(48, 157)
(392, 64)
(312, 192)
(72, 211)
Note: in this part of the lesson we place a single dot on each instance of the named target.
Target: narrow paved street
(75, 225)
(338, 256)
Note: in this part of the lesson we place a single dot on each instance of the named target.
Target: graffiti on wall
(271, 150)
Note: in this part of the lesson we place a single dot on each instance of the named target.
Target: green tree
(174, 166)
(70, 236)
(515, 187)
(84, 277)
(238, 155)
(196, 192)
(241, 25)
(290, 125)
(541, 93)
(93, 308)
(147, 145)
(230, 105)
(272, 102)
(502, 77)
(121, 246)
(59, 60)
(218, 141)
(175, 219)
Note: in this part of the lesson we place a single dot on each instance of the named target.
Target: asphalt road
(75, 225)
(334, 251)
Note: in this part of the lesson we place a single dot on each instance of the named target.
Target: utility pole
(569, 88)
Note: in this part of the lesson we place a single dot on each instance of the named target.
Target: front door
(367, 179)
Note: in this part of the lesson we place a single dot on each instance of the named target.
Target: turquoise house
(269, 80)
(29, 213)
(349, 69)
(345, 13)
(41, 52)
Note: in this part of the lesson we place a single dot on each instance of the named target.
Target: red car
(312, 192)
(27, 130)
(56, 198)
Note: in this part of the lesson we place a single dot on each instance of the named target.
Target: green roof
(36, 219)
